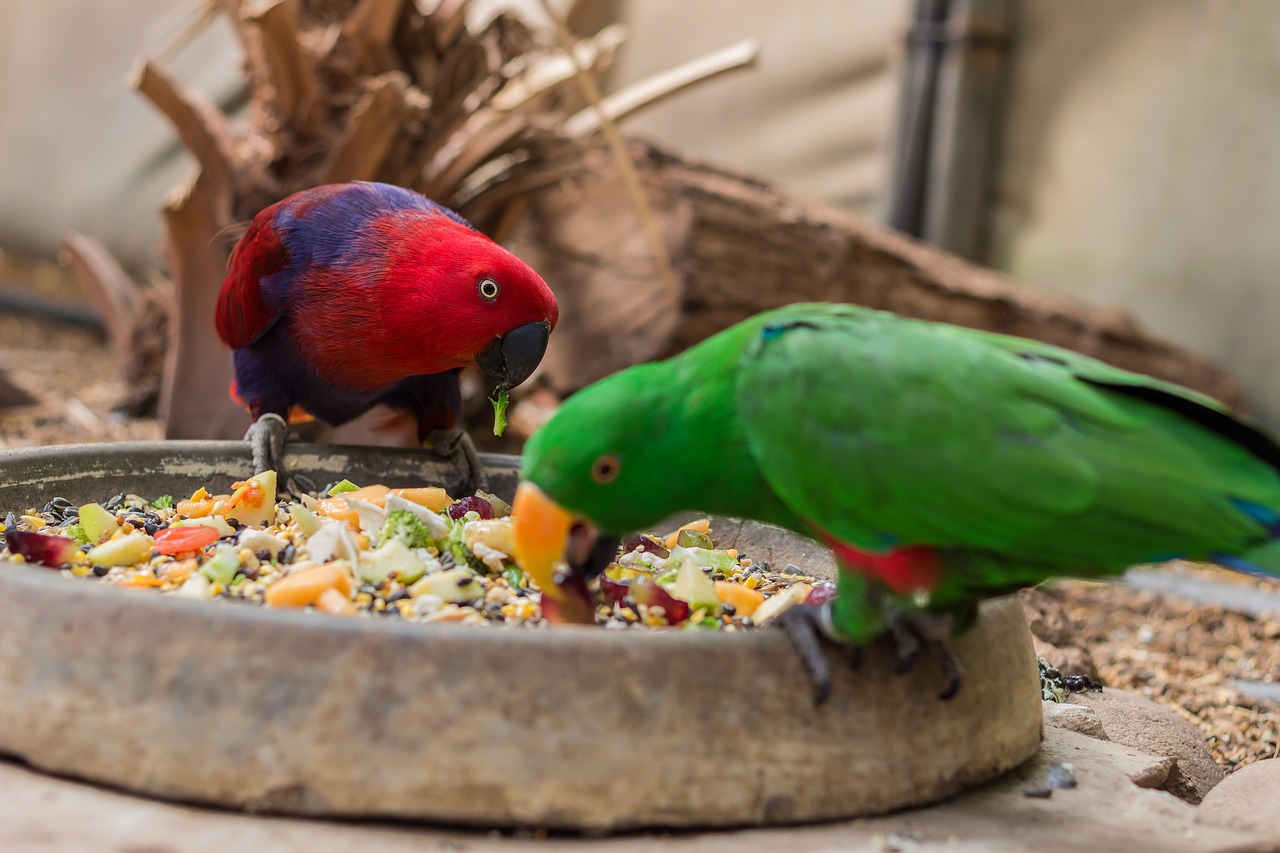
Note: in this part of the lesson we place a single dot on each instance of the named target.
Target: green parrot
(941, 465)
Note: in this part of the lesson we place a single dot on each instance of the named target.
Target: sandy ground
(1186, 656)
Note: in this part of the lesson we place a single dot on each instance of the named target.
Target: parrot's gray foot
(809, 627)
(912, 631)
(456, 446)
(267, 437)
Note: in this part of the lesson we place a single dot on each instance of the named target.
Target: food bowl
(574, 728)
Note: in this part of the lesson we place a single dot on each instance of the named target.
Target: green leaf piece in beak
(500, 399)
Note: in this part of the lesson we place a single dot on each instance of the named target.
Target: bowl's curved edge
(360, 718)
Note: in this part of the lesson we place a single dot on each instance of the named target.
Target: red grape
(473, 503)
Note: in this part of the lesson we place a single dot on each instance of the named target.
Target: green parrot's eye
(488, 289)
(605, 469)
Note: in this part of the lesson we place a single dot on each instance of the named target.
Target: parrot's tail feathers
(1264, 560)
(1260, 562)
(1264, 515)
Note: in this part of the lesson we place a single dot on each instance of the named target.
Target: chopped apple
(216, 522)
(253, 503)
(393, 559)
(124, 551)
(452, 585)
(222, 566)
(308, 522)
(693, 585)
(97, 522)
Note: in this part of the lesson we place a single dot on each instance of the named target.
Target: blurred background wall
(1140, 166)
(78, 149)
(1125, 153)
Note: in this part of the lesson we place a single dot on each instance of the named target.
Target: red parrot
(346, 296)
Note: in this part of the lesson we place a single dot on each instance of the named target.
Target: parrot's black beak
(511, 358)
(588, 553)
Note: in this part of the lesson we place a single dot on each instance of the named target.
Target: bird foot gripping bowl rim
(573, 728)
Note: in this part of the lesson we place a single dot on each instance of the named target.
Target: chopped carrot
(143, 581)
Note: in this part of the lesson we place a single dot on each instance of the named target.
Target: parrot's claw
(906, 644)
(913, 631)
(456, 445)
(267, 437)
(808, 627)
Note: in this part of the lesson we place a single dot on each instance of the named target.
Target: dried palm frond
(402, 91)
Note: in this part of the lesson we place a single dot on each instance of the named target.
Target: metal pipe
(926, 41)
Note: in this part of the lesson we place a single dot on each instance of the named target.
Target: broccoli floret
(163, 502)
(76, 532)
(408, 528)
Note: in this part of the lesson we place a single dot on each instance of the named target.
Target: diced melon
(332, 601)
(194, 508)
(433, 498)
(305, 587)
(374, 494)
(125, 551)
(744, 601)
(341, 508)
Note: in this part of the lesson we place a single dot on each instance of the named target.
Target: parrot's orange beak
(543, 533)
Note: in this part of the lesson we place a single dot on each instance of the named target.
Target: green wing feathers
(1029, 459)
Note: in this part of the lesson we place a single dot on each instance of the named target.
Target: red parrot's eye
(488, 289)
(605, 469)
